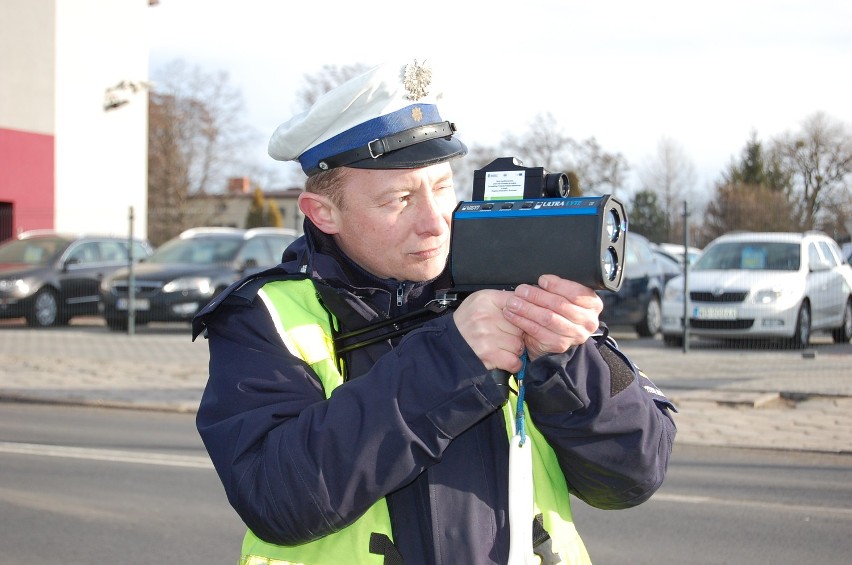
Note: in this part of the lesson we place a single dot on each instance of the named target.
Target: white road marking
(687, 499)
(114, 455)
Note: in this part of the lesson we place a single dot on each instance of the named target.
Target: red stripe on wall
(27, 179)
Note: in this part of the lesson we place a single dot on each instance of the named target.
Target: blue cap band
(362, 134)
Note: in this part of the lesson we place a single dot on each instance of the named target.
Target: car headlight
(18, 286)
(768, 295)
(202, 285)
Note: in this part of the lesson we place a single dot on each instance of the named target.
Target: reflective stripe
(258, 560)
(306, 341)
(279, 327)
(305, 328)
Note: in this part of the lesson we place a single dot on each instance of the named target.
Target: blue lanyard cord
(520, 428)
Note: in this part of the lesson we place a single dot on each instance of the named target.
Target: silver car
(763, 285)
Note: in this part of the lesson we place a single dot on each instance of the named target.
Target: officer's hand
(555, 315)
(480, 320)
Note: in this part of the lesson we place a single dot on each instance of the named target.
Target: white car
(676, 250)
(763, 285)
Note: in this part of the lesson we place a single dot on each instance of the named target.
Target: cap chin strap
(387, 144)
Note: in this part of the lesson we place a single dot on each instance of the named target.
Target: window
(113, 252)
(256, 253)
(828, 254)
(83, 253)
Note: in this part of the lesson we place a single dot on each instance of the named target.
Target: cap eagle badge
(416, 79)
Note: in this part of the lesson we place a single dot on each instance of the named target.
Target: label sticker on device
(504, 185)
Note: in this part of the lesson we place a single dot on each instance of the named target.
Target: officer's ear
(321, 211)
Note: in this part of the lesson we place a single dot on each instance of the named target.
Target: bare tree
(819, 159)
(545, 144)
(671, 175)
(754, 193)
(837, 218)
(195, 133)
(603, 172)
(739, 206)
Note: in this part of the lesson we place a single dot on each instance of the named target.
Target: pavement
(726, 396)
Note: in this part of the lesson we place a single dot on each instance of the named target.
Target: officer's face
(396, 223)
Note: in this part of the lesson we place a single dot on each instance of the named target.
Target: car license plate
(138, 304)
(711, 313)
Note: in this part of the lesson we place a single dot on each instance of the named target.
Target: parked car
(637, 303)
(846, 249)
(764, 285)
(675, 250)
(186, 272)
(671, 266)
(49, 277)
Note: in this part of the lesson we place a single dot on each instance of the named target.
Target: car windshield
(750, 255)
(32, 251)
(198, 250)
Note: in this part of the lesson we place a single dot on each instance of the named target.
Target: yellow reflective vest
(304, 326)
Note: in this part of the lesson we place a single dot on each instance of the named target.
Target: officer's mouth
(429, 253)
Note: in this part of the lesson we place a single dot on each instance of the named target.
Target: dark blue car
(638, 303)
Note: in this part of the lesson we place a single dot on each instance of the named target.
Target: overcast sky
(627, 72)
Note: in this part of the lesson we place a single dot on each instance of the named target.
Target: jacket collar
(318, 254)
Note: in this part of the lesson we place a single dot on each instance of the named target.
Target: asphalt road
(87, 485)
(732, 506)
(94, 485)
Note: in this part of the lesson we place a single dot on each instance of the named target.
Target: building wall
(231, 209)
(101, 156)
(65, 162)
(27, 91)
(26, 181)
(27, 45)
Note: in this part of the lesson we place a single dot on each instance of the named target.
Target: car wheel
(651, 323)
(673, 340)
(45, 310)
(844, 333)
(802, 334)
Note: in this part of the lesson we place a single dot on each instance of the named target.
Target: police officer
(340, 439)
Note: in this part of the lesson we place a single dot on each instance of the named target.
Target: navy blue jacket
(417, 420)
